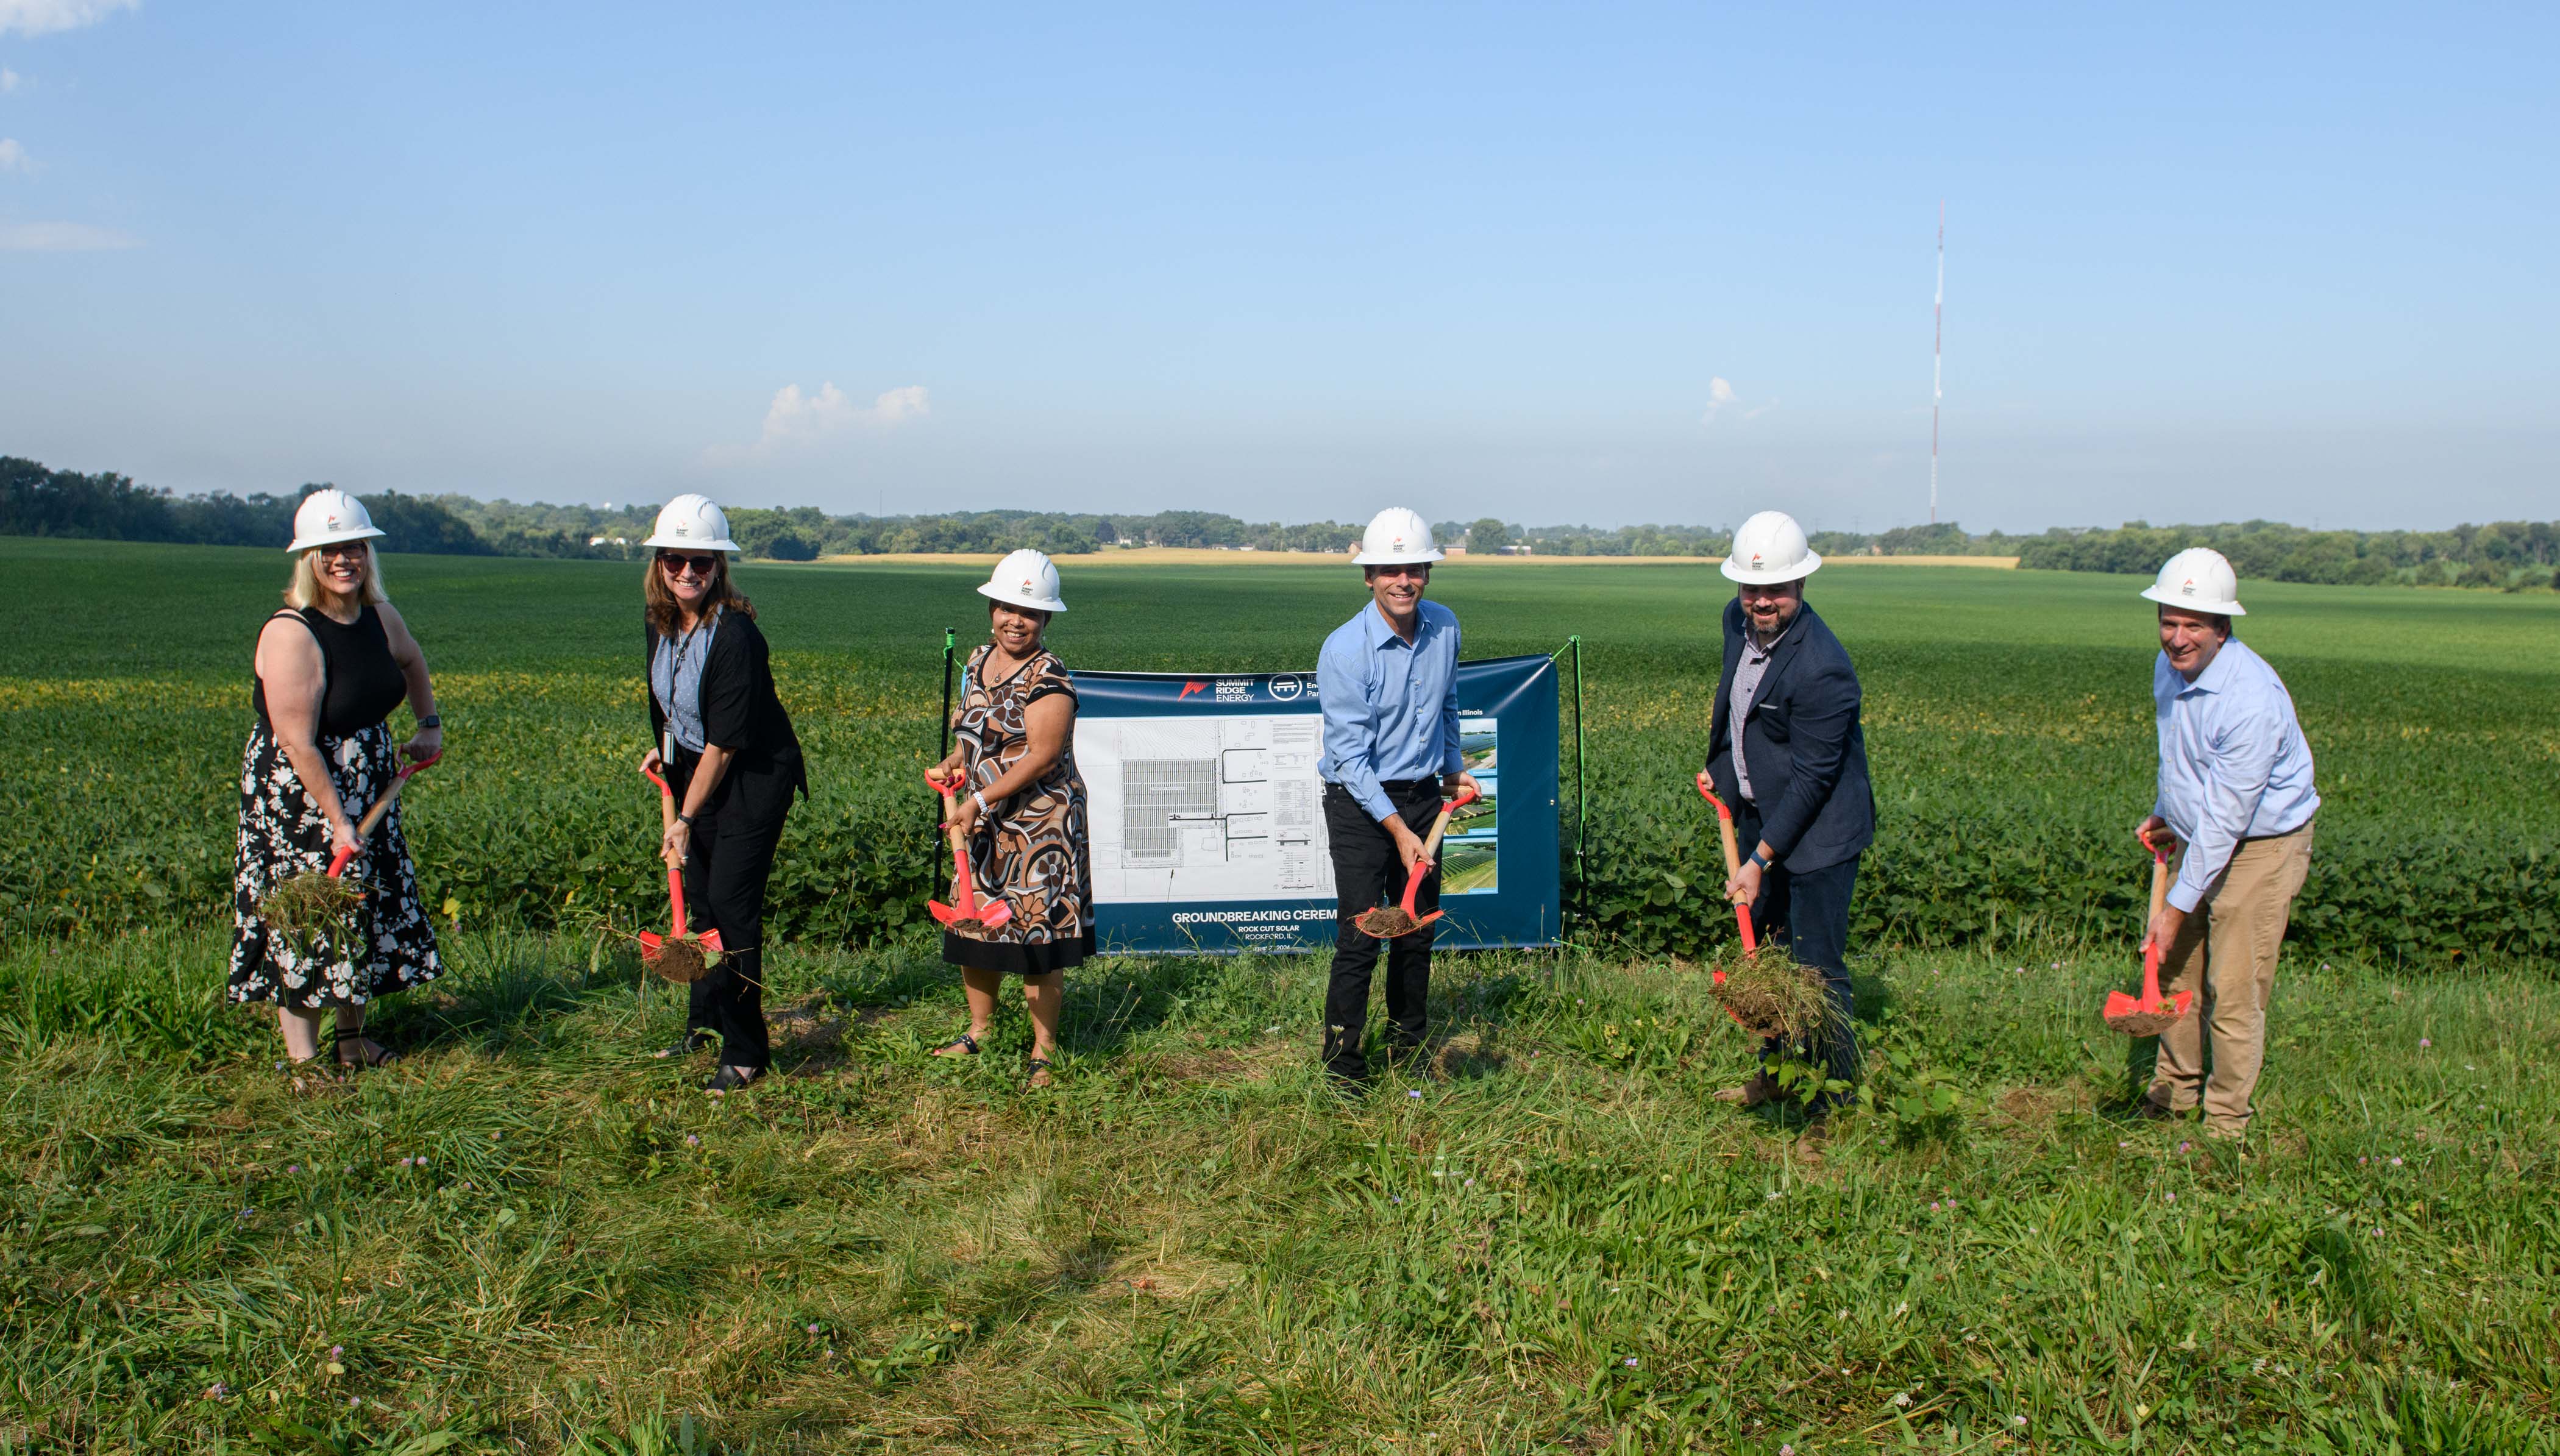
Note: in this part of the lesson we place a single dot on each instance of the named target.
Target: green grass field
(528, 1236)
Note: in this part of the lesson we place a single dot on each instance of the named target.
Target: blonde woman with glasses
(330, 670)
(726, 750)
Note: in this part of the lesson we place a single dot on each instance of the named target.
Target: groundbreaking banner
(1208, 816)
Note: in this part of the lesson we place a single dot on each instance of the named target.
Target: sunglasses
(677, 563)
(347, 548)
(1408, 569)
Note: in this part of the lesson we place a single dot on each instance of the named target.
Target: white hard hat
(330, 515)
(1770, 549)
(1024, 578)
(2198, 579)
(1395, 537)
(691, 520)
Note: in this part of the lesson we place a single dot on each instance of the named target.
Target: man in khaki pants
(2235, 806)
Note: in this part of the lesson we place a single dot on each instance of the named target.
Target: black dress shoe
(694, 1042)
(730, 1078)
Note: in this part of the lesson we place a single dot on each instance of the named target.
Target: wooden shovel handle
(374, 816)
(1440, 826)
(2159, 891)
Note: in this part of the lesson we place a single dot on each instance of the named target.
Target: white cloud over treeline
(44, 17)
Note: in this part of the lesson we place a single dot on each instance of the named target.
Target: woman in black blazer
(727, 751)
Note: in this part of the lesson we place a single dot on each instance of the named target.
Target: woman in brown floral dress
(1020, 808)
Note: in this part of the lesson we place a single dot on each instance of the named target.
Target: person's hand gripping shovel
(2152, 1013)
(310, 905)
(1388, 923)
(968, 917)
(677, 955)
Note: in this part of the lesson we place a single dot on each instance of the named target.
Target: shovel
(678, 956)
(2154, 1013)
(968, 917)
(1733, 865)
(382, 809)
(306, 905)
(1387, 924)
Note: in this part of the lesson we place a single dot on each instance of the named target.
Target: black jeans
(1807, 913)
(725, 874)
(1367, 875)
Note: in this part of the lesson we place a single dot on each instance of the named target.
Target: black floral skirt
(390, 945)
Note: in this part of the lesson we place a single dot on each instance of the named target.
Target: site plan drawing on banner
(1206, 808)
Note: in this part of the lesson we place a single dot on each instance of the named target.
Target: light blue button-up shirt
(2233, 762)
(1390, 707)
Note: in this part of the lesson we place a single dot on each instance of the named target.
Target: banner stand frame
(1581, 800)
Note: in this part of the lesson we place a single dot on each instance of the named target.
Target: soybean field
(2007, 717)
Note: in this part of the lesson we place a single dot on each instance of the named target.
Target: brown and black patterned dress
(1032, 847)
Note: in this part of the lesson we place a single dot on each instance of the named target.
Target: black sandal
(963, 1039)
(1039, 1069)
(730, 1078)
(377, 1056)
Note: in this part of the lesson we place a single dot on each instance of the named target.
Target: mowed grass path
(529, 1236)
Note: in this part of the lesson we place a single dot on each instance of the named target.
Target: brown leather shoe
(1761, 1088)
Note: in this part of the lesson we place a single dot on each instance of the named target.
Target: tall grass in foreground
(528, 1236)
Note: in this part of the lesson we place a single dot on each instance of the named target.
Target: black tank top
(360, 681)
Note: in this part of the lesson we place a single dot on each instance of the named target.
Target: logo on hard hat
(1397, 544)
(1755, 560)
(2188, 590)
(1027, 586)
(333, 522)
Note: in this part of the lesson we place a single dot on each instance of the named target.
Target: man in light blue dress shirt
(1387, 680)
(2234, 807)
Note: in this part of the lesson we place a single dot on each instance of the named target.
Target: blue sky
(1295, 263)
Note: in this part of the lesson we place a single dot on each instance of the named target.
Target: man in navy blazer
(1784, 749)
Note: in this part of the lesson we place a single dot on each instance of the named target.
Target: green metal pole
(1583, 800)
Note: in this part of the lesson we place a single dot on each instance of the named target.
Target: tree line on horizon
(36, 501)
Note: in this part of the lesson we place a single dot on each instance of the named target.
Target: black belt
(1394, 785)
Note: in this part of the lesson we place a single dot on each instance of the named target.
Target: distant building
(1452, 551)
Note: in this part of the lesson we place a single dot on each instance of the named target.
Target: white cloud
(13, 157)
(1719, 393)
(1720, 397)
(61, 238)
(796, 418)
(8, 79)
(41, 16)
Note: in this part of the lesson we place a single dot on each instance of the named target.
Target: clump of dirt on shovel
(681, 960)
(1387, 922)
(2144, 1022)
(967, 929)
(1773, 997)
(307, 905)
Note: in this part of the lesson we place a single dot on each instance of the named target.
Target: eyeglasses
(677, 563)
(1406, 569)
(347, 548)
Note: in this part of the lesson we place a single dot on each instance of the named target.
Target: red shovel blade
(651, 942)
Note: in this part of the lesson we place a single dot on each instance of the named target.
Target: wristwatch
(432, 719)
(1759, 859)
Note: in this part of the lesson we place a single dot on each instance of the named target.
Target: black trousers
(1807, 913)
(725, 874)
(1367, 875)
